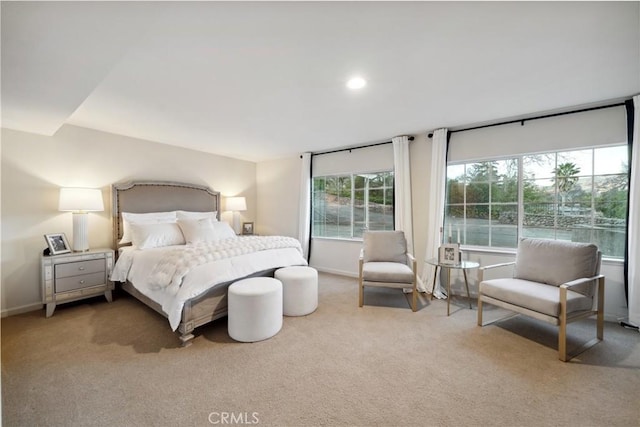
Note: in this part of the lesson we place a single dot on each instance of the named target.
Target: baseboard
(19, 310)
(610, 318)
(337, 272)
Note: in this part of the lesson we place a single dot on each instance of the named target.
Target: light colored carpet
(95, 363)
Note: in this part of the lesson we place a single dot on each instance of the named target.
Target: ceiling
(263, 80)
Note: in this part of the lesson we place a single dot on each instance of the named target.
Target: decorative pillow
(198, 230)
(223, 230)
(146, 236)
(213, 215)
(143, 218)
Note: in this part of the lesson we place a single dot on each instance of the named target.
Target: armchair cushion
(385, 246)
(555, 262)
(392, 272)
(534, 296)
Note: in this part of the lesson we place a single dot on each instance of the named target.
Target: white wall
(278, 183)
(34, 167)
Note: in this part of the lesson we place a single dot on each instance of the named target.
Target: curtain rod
(546, 116)
(411, 138)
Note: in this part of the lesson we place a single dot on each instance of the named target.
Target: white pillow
(198, 230)
(223, 230)
(129, 218)
(213, 215)
(146, 236)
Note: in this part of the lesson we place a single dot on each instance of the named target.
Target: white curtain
(304, 217)
(402, 192)
(436, 207)
(633, 272)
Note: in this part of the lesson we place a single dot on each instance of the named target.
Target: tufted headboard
(159, 196)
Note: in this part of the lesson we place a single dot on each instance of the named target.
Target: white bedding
(138, 267)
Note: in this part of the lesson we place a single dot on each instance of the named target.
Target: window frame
(593, 177)
(352, 205)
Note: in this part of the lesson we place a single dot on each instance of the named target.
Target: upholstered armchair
(385, 262)
(555, 281)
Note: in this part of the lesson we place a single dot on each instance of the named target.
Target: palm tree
(565, 177)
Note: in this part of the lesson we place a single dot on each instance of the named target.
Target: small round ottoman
(299, 290)
(254, 309)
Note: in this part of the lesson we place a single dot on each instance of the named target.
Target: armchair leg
(600, 316)
(562, 331)
(600, 326)
(414, 302)
(360, 283)
(562, 341)
(479, 311)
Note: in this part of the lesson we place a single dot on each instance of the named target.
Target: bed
(186, 281)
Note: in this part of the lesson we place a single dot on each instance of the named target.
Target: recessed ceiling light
(356, 83)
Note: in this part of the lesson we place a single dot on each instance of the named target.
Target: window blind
(586, 129)
(366, 159)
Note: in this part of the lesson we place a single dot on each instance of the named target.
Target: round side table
(462, 265)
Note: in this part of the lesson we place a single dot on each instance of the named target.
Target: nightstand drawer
(81, 281)
(78, 268)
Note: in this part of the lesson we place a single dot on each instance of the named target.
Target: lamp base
(80, 232)
(236, 222)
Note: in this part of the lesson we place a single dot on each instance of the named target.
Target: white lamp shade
(80, 200)
(236, 204)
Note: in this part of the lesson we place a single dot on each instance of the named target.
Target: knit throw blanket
(173, 266)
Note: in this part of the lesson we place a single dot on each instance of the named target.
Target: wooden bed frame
(163, 196)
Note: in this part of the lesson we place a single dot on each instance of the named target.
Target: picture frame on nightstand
(247, 228)
(57, 243)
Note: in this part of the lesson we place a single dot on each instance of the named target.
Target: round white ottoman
(254, 309)
(299, 290)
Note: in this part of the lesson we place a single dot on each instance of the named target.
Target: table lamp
(236, 205)
(80, 201)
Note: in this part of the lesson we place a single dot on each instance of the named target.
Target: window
(482, 202)
(578, 195)
(346, 205)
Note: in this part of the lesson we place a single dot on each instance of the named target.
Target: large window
(578, 195)
(346, 205)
